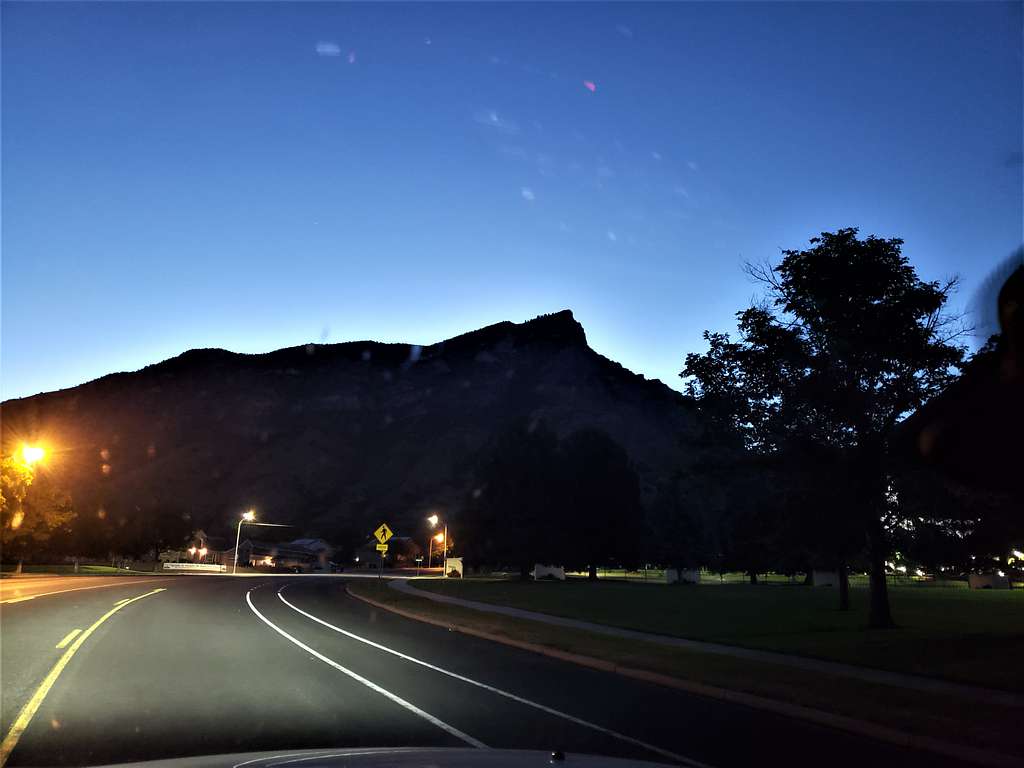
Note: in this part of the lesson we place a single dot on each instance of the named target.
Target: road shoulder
(985, 731)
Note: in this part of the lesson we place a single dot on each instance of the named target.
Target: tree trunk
(879, 614)
(844, 585)
(808, 578)
(592, 573)
(753, 577)
(524, 572)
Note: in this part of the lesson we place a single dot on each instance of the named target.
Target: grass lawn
(945, 717)
(69, 570)
(973, 636)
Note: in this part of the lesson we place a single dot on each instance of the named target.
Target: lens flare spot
(590, 85)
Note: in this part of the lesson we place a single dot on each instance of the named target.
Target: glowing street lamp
(202, 552)
(439, 538)
(30, 454)
(247, 517)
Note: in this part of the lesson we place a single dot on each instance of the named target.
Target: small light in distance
(439, 538)
(432, 520)
(249, 516)
(202, 551)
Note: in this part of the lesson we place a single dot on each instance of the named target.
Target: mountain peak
(558, 326)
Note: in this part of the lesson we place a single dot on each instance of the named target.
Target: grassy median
(946, 717)
(970, 636)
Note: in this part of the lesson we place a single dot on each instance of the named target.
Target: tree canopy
(846, 341)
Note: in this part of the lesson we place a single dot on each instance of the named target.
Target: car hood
(395, 758)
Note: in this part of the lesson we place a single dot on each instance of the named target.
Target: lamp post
(433, 524)
(247, 517)
(440, 538)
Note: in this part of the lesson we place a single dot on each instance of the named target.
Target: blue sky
(259, 175)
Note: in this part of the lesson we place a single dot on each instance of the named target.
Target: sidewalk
(911, 682)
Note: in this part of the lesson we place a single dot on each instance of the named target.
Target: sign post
(382, 534)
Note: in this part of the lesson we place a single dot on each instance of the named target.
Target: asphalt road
(215, 664)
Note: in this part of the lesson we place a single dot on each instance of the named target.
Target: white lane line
(536, 705)
(465, 737)
(379, 752)
(270, 760)
(68, 638)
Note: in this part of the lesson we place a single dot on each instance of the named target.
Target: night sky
(260, 175)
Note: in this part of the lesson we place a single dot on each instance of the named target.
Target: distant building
(402, 552)
(254, 553)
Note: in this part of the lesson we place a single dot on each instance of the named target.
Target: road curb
(817, 716)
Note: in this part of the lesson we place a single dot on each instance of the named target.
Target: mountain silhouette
(332, 437)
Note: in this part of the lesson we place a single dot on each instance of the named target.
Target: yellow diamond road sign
(383, 533)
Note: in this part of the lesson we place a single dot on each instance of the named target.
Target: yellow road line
(68, 638)
(94, 586)
(122, 600)
(25, 716)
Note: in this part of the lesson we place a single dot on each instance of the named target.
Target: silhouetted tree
(511, 516)
(600, 517)
(846, 343)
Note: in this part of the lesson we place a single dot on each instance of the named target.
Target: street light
(440, 537)
(30, 454)
(247, 517)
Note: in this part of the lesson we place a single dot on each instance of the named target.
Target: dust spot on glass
(55, 724)
(387, 376)
(105, 469)
(105, 454)
(367, 354)
(151, 451)
(415, 350)
(101, 513)
(388, 420)
(477, 492)
(311, 349)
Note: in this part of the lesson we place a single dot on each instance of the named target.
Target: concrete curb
(819, 717)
